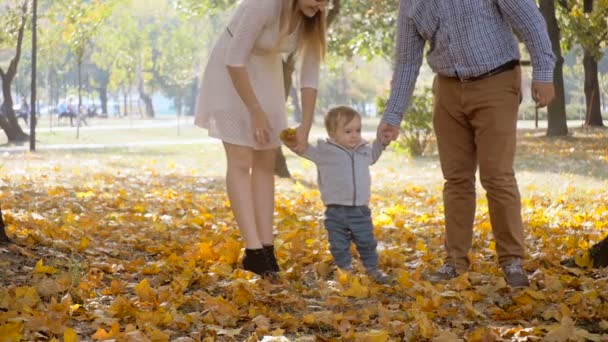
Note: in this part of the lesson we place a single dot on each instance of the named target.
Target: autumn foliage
(144, 253)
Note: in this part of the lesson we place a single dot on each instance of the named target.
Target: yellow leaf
(84, 243)
(230, 252)
(156, 335)
(447, 336)
(584, 260)
(482, 334)
(40, 268)
(70, 335)
(420, 246)
(404, 279)
(524, 299)
(150, 269)
(562, 332)
(145, 292)
(11, 332)
(356, 290)
(309, 319)
(373, 336)
(101, 334)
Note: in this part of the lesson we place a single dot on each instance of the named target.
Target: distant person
(66, 111)
(343, 162)
(242, 103)
(477, 92)
(24, 110)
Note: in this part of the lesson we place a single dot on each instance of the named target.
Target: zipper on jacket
(352, 158)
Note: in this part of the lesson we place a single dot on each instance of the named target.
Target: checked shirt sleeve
(408, 58)
(526, 19)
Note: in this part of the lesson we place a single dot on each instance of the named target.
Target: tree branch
(12, 69)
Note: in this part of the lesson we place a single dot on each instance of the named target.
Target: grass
(577, 160)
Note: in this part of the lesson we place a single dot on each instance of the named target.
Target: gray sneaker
(445, 272)
(379, 276)
(515, 275)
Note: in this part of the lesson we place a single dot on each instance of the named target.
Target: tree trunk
(592, 85)
(556, 115)
(9, 123)
(280, 165)
(3, 237)
(125, 103)
(104, 80)
(144, 96)
(78, 114)
(592, 92)
(295, 100)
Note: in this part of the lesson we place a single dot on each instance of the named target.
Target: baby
(344, 180)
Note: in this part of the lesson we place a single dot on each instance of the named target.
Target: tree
(557, 108)
(81, 22)
(586, 25)
(116, 51)
(13, 23)
(52, 51)
(176, 67)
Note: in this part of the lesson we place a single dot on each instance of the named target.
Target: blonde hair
(338, 117)
(314, 31)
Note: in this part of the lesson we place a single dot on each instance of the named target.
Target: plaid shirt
(467, 38)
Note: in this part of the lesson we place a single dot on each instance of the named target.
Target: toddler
(344, 180)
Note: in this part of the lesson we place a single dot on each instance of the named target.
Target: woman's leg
(240, 192)
(262, 179)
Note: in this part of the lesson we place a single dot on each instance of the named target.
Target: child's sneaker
(379, 276)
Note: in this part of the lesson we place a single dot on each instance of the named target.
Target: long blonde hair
(314, 30)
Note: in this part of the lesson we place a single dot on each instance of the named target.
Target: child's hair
(339, 116)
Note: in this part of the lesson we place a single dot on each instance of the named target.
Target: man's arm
(408, 58)
(526, 19)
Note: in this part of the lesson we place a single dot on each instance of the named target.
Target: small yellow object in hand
(288, 136)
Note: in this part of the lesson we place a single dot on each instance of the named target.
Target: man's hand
(542, 93)
(387, 133)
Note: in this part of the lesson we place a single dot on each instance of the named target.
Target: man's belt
(510, 65)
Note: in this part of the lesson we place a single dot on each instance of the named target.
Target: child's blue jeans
(351, 223)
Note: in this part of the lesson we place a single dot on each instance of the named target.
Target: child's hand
(288, 137)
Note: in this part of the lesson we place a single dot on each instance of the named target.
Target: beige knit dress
(250, 40)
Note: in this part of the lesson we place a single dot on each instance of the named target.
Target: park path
(528, 124)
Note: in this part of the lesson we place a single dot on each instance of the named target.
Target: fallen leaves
(136, 254)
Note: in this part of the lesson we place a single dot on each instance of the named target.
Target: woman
(242, 103)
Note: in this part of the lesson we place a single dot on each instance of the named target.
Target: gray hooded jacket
(343, 174)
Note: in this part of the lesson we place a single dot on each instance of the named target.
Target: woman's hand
(261, 126)
(301, 139)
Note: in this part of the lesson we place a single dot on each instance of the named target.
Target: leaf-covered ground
(130, 250)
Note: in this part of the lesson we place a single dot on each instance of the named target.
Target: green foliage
(364, 28)
(81, 21)
(10, 21)
(417, 135)
(587, 29)
(201, 8)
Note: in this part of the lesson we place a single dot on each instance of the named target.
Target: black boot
(272, 259)
(256, 261)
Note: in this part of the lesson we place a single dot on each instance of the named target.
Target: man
(477, 92)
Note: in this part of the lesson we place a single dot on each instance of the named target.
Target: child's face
(348, 135)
